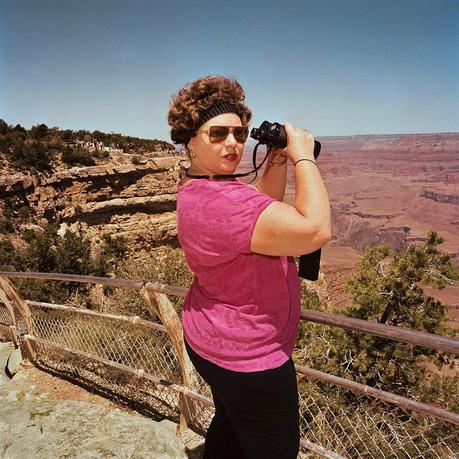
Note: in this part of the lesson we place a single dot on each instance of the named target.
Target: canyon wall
(137, 202)
(390, 189)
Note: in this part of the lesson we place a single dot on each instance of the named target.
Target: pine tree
(389, 290)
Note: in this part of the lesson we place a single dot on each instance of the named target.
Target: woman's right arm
(282, 229)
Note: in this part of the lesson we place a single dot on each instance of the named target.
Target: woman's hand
(277, 155)
(300, 143)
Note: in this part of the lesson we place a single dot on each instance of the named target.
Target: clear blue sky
(335, 67)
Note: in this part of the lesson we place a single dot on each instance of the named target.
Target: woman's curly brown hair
(195, 98)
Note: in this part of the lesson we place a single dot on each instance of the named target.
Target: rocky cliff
(437, 197)
(136, 201)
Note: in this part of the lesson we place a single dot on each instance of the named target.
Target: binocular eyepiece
(274, 135)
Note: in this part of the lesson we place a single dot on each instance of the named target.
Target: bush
(165, 266)
(33, 155)
(6, 227)
(48, 252)
(14, 209)
(73, 255)
(78, 155)
(102, 154)
(41, 254)
(35, 148)
(39, 131)
(24, 213)
(114, 249)
(10, 260)
(386, 290)
(4, 128)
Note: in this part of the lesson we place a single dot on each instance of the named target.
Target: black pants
(256, 414)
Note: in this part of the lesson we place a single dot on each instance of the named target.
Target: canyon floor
(388, 189)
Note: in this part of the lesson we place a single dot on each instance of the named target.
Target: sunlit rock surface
(136, 201)
(56, 428)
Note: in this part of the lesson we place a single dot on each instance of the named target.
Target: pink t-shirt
(243, 308)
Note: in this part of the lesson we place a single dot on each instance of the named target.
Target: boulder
(14, 362)
(43, 429)
(5, 351)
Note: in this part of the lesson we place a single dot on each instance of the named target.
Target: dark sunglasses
(220, 133)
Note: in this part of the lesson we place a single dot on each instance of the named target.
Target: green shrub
(77, 156)
(10, 259)
(386, 290)
(102, 154)
(48, 252)
(4, 128)
(6, 226)
(165, 265)
(73, 254)
(113, 251)
(39, 131)
(25, 213)
(32, 155)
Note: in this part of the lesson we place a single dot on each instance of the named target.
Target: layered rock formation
(134, 201)
(390, 189)
(383, 189)
(437, 197)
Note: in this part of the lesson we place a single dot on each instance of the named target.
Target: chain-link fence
(6, 322)
(355, 425)
(138, 363)
(99, 338)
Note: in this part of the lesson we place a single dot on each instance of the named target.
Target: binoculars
(274, 135)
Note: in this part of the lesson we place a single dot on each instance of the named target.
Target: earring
(193, 155)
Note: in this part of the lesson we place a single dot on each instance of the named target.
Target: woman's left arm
(274, 177)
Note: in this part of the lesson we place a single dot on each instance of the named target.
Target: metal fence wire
(119, 341)
(136, 363)
(5, 322)
(354, 425)
(122, 342)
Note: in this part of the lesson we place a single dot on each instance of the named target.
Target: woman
(241, 313)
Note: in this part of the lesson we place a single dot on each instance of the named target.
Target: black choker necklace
(215, 177)
(233, 176)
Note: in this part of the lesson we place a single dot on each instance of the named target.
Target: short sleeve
(224, 216)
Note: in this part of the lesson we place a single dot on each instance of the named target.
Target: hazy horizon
(251, 141)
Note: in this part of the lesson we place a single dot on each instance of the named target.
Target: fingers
(277, 151)
(300, 143)
(293, 131)
(289, 129)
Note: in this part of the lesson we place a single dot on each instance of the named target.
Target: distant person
(241, 313)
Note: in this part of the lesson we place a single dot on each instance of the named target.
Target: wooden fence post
(13, 328)
(14, 301)
(161, 306)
